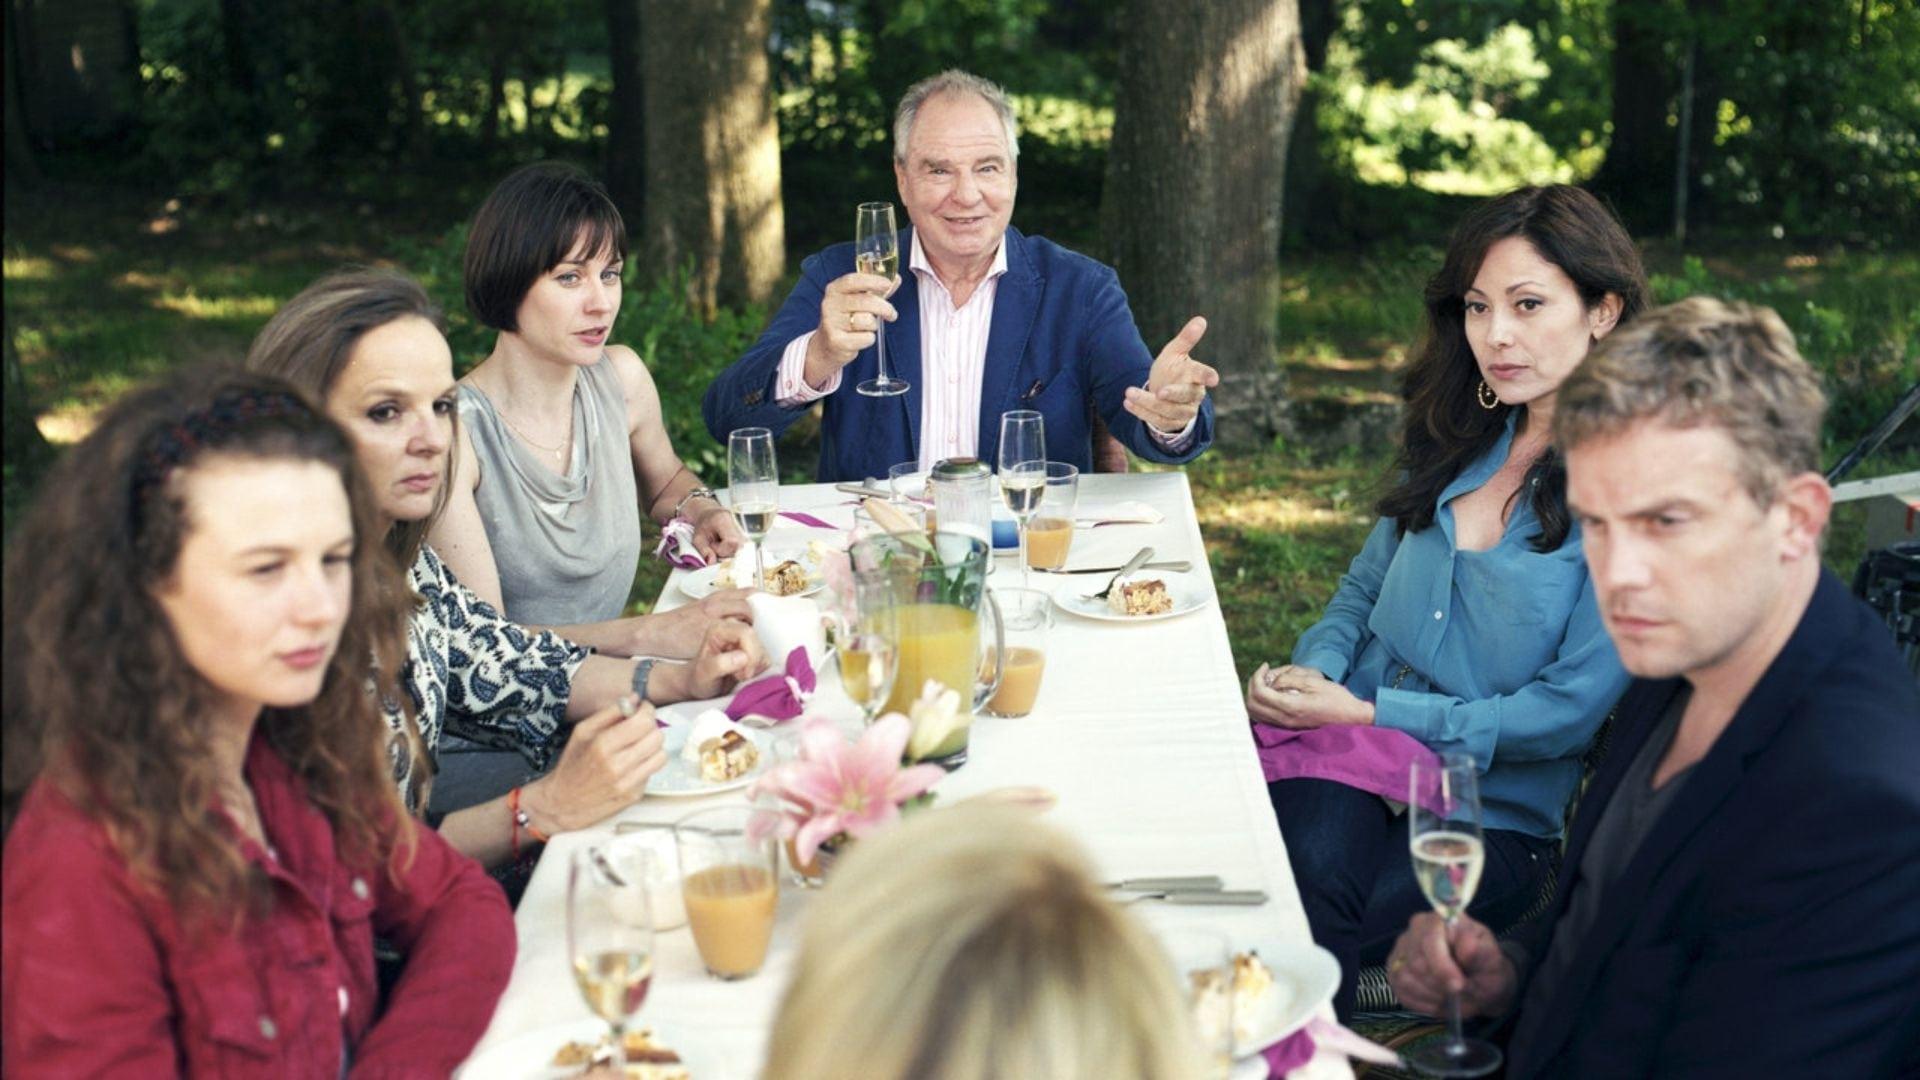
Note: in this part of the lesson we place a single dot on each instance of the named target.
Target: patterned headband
(206, 428)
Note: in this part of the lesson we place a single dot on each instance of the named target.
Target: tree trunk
(626, 119)
(22, 166)
(1638, 171)
(712, 160)
(1194, 182)
(1307, 196)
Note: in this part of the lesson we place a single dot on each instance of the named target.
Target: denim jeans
(1351, 864)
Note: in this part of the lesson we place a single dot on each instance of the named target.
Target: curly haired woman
(202, 832)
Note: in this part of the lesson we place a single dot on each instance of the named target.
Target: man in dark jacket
(1741, 890)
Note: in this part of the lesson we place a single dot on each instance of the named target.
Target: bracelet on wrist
(698, 492)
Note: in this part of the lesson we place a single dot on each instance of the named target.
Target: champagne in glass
(1448, 850)
(868, 645)
(753, 489)
(876, 251)
(1023, 471)
(610, 934)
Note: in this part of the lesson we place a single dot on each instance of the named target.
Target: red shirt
(98, 976)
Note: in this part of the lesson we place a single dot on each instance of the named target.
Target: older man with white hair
(990, 320)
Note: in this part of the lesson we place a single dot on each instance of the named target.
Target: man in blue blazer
(1741, 890)
(989, 320)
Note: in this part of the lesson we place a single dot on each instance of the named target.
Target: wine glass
(867, 645)
(876, 251)
(1443, 823)
(1023, 471)
(753, 487)
(610, 934)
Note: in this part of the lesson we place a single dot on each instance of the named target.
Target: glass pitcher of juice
(936, 586)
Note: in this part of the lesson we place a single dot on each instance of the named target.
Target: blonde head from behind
(970, 943)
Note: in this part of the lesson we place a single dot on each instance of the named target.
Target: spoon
(1139, 559)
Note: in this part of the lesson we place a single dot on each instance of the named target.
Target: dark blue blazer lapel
(1016, 304)
(1713, 780)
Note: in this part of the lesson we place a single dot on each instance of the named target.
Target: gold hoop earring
(1488, 399)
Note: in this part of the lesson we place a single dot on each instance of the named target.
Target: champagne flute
(876, 251)
(867, 646)
(610, 934)
(1443, 823)
(1023, 471)
(753, 487)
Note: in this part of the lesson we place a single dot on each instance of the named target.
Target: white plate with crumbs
(1188, 594)
(681, 778)
(531, 1056)
(704, 582)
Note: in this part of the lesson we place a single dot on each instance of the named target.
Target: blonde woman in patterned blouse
(367, 344)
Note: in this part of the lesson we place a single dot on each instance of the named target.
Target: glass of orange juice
(1027, 615)
(729, 880)
(1050, 532)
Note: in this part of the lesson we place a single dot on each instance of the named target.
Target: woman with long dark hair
(202, 833)
(1467, 620)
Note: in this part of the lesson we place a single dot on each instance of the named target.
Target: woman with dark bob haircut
(202, 838)
(1467, 621)
(563, 447)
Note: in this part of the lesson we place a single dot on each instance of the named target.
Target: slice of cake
(728, 757)
(648, 1060)
(786, 579)
(1147, 596)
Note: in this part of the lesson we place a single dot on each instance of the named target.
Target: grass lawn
(104, 288)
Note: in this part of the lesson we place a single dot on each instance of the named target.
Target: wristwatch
(641, 672)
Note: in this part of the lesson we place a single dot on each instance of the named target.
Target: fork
(1139, 559)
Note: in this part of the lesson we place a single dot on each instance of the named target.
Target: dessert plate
(681, 778)
(530, 1056)
(1304, 978)
(1188, 594)
(704, 582)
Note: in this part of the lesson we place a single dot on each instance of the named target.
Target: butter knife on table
(1221, 897)
(1197, 883)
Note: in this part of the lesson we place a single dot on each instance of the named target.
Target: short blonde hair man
(971, 943)
(1698, 361)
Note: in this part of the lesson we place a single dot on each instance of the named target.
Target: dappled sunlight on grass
(219, 307)
(28, 268)
(1273, 512)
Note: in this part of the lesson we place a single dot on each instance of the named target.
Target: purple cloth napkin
(1289, 1053)
(676, 545)
(1298, 1048)
(777, 697)
(805, 519)
(1373, 759)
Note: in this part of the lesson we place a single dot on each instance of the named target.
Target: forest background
(176, 169)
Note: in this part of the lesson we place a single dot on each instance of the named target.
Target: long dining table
(1140, 729)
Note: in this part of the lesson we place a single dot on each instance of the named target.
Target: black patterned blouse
(471, 672)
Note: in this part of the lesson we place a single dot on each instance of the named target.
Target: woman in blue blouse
(1467, 620)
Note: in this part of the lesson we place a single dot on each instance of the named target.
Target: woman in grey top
(563, 443)
(367, 346)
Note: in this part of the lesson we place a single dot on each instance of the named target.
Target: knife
(863, 489)
(1178, 565)
(1199, 883)
(1224, 897)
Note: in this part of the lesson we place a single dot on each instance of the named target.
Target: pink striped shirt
(953, 364)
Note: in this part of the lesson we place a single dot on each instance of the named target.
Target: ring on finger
(1395, 964)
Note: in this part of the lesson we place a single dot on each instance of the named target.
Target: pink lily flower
(836, 787)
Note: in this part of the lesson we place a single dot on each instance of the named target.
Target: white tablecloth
(1141, 729)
